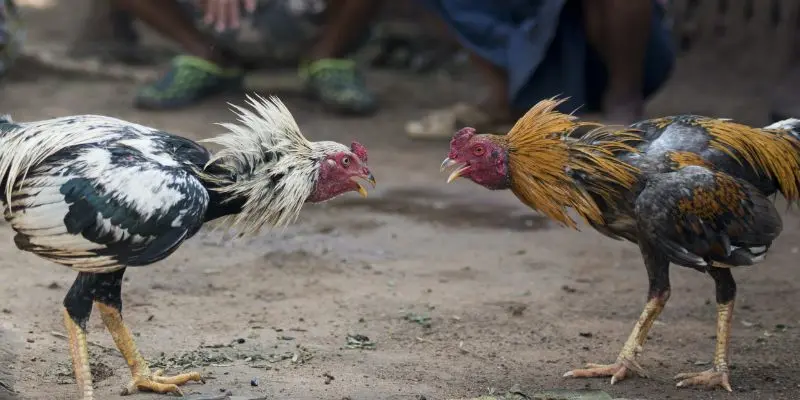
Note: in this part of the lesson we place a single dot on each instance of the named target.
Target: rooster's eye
(478, 150)
(346, 161)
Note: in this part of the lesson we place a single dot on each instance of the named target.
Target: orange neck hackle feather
(542, 155)
(771, 153)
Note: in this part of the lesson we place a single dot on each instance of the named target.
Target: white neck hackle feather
(271, 164)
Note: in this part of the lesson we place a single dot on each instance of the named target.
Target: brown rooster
(689, 190)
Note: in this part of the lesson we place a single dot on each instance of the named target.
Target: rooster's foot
(617, 371)
(709, 379)
(159, 383)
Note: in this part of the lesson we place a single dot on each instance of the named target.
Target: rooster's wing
(106, 208)
(695, 216)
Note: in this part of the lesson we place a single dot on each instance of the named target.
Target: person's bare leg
(107, 32)
(168, 18)
(346, 20)
(619, 31)
(330, 77)
(496, 102)
(205, 69)
(489, 113)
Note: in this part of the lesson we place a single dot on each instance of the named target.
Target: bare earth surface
(460, 291)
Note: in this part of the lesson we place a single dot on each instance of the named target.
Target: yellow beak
(448, 162)
(457, 173)
(361, 190)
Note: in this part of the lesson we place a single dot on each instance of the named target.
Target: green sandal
(189, 80)
(339, 86)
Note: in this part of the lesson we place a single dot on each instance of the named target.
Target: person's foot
(339, 86)
(443, 123)
(188, 80)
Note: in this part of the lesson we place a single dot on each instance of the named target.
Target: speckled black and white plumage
(128, 195)
(100, 194)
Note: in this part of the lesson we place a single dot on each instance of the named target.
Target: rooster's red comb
(359, 150)
(462, 137)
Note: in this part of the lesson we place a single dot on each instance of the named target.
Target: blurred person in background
(208, 67)
(12, 35)
(785, 101)
(605, 55)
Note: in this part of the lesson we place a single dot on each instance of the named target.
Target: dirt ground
(460, 291)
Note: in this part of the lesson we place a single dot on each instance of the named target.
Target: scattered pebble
(328, 378)
(585, 334)
(568, 289)
(254, 382)
(517, 310)
(359, 342)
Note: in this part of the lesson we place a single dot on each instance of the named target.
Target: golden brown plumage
(542, 156)
(689, 190)
(708, 203)
(685, 158)
(773, 153)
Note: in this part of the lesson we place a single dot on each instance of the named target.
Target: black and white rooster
(99, 194)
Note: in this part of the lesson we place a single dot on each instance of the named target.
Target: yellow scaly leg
(80, 356)
(143, 378)
(626, 361)
(718, 374)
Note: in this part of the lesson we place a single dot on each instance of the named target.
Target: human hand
(224, 13)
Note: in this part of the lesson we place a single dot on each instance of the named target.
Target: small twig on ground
(465, 351)
(91, 343)
(223, 396)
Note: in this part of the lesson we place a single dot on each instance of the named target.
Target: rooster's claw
(617, 371)
(709, 379)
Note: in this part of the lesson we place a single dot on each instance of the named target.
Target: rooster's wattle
(99, 194)
(689, 190)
